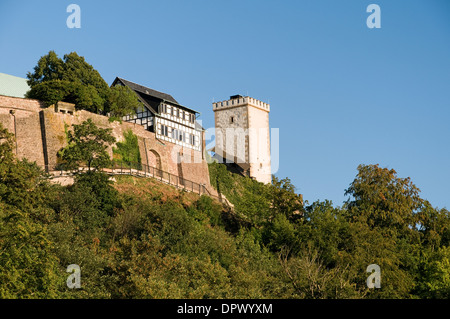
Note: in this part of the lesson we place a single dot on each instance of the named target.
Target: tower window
(232, 119)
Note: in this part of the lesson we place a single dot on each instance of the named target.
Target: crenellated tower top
(239, 100)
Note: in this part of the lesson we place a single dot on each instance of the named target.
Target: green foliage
(28, 267)
(435, 280)
(256, 202)
(87, 145)
(128, 150)
(141, 239)
(73, 80)
(122, 101)
(207, 210)
(48, 68)
(6, 146)
(312, 279)
(284, 199)
(383, 199)
(70, 79)
(249, 197)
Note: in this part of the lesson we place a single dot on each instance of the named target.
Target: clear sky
(341, 94)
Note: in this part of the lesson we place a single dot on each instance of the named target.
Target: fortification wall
(41, 133)
(21, 117)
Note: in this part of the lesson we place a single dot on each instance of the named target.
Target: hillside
(138, 238)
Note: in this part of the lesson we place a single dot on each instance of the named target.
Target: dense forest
(139, 238)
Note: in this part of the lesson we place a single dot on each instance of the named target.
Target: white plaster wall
(259, 145)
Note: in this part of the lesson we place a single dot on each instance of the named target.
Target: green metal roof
(13, 86)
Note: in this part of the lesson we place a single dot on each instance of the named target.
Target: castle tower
(242, 136)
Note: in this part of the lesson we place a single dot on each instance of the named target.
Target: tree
(48, 68)
(22, 183)
(434, 225)
(435, 274)
(87, 145)
(28, 268)
(384, 199)
(73, 80)
(122, 101)
(284, 199)
(385, 212)
(311, 279)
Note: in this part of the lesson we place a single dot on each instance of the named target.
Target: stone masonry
(41, 132)
(242, 135)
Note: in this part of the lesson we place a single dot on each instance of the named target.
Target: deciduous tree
(87, 145)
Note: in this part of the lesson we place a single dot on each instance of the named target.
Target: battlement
(238, 100)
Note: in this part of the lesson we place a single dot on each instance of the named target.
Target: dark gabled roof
(151, 98)
(149, 101)
(148, 91)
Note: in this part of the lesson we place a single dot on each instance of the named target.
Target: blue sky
(340, 93)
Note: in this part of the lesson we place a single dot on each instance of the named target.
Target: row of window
(168, 109)
(139, 115)
(178, 134)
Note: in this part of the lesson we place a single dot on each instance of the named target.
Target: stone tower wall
(260, 164)
(245, 140)
(231, 137)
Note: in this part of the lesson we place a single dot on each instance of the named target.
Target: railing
(135, 169)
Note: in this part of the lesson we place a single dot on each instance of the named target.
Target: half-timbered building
(161, 114)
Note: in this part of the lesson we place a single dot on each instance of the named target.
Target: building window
(164, 130)
(232, 119)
